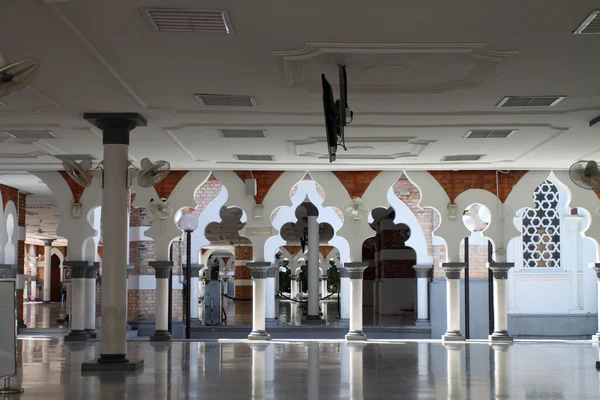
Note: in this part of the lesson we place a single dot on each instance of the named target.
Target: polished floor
(51, 370)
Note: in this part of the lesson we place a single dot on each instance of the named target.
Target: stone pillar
(500, 272)
(259, 275)
(324, 291)
(47, 272)
(313, 264)
(77, 292)
(596, 337)
(116, 128)
(452, 271)
(293, 286)
(355, 272)
(90, 299)
(195, 282)
(501, 383)
(356, 370)
(453, 370)
(344, 296)
(270, 296)
(162, 271)
(422, 294)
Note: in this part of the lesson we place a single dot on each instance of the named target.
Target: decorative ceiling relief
(367, 148)
(391, 68)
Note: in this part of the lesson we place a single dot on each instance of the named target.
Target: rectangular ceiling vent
(463, 157)
(76, 157)
(489, 133)
(242, 133)
(590, 26)
(187, 20)
(253, 157)
(226, 100)
(28, 134)
(530, 101)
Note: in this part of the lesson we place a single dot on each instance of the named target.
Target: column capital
(78, 268)
(343, 272)
(259, 269)
(422, 270)
(91, 270)
(500, 269)
(115, 126)
(272, 272)
(356, 269)
(161, 268)
(453, 269)
(48, 242)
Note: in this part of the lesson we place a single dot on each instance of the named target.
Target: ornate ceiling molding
(479, 61)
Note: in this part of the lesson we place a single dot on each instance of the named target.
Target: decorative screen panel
(541, 229)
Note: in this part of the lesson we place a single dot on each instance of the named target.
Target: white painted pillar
(77, 292)
(324, 291)
(500, 272)
(501, 371)
(355, 272)
(115, 128)
(270, 295)
(596, 337)
(258, 370)
(259, 274)
(313, 266)
(195, 290)
(422, 272)
(47, 270)
(571, 257)
(452, 271)
(90, 299)
(293, 286)
(356, 370)
(162, 271)
(453, 370)
(344, 295)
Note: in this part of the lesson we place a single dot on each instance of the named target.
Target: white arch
(10, 221)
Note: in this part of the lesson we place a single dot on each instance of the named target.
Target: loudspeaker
(250, 187)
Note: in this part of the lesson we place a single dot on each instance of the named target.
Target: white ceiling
(421, 75)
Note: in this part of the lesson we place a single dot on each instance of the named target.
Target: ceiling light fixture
(530, 101)
(590, 26)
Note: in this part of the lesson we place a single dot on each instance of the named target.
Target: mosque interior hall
(333, 200)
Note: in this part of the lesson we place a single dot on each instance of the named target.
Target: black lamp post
(188, 223)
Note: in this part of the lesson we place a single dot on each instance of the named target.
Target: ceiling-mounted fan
(151, 173)
(585, 174)
(160, 209)
(39, 230)
(80, 171)
(16, 74)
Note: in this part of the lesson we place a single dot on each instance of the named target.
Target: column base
(92, 333)
(259, 335)
(76, 336)
(356, 335)
(453, 336)
(112, 362)
(160, 336)
(500, 337)
(422, 323)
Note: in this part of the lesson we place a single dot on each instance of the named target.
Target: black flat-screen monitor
(331, 118)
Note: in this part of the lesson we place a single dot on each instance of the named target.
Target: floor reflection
(49, 369)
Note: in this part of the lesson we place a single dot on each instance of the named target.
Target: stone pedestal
(162, 271)
(453, 271)
(422, 272)
(500, 272)
(259, 275)
(355, 273)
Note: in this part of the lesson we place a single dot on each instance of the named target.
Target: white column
(259, 274)
(115, 214)
(194, 288)
(313, 266)
(355, 272)
(500, 272)
(596, 337)
(162, 271)
(344, 295)
(571, 257)
(452, 271)
(356, 370)
(501, 383)
(90, 299)
(270, 294)
(293, 287)
(324, 291)
(77, 293)
(422, 272)
(313, 355)
(47, 271)
(453, 370)
(258, 370)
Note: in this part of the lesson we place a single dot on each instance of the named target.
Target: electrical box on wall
(76, 210)
(452, 212)
(250, 187)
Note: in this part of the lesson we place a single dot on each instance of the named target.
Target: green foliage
(333, 279)
(285, 284)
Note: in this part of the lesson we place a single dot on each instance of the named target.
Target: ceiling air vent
(530, 101)
(187, 20)
(242, 133)
(253, 157)
(76, 157)
(226, 100)
(489, 134)
(590, 26)
(28, 134)
(464, 157)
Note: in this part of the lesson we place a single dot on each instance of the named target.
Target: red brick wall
(8, 194)
(356, 182)
(76, 190)
(167, 185)
(206, 193)
(394, 269)
(22, 208)
(264, 181)
(456, 182)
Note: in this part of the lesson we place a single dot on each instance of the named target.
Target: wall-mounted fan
(80, 172)
(17, 74)
(585, 174)
(160, 209)
(152, 173)
(356, 209)
(39, 230)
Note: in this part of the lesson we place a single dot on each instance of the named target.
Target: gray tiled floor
(317, 370)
